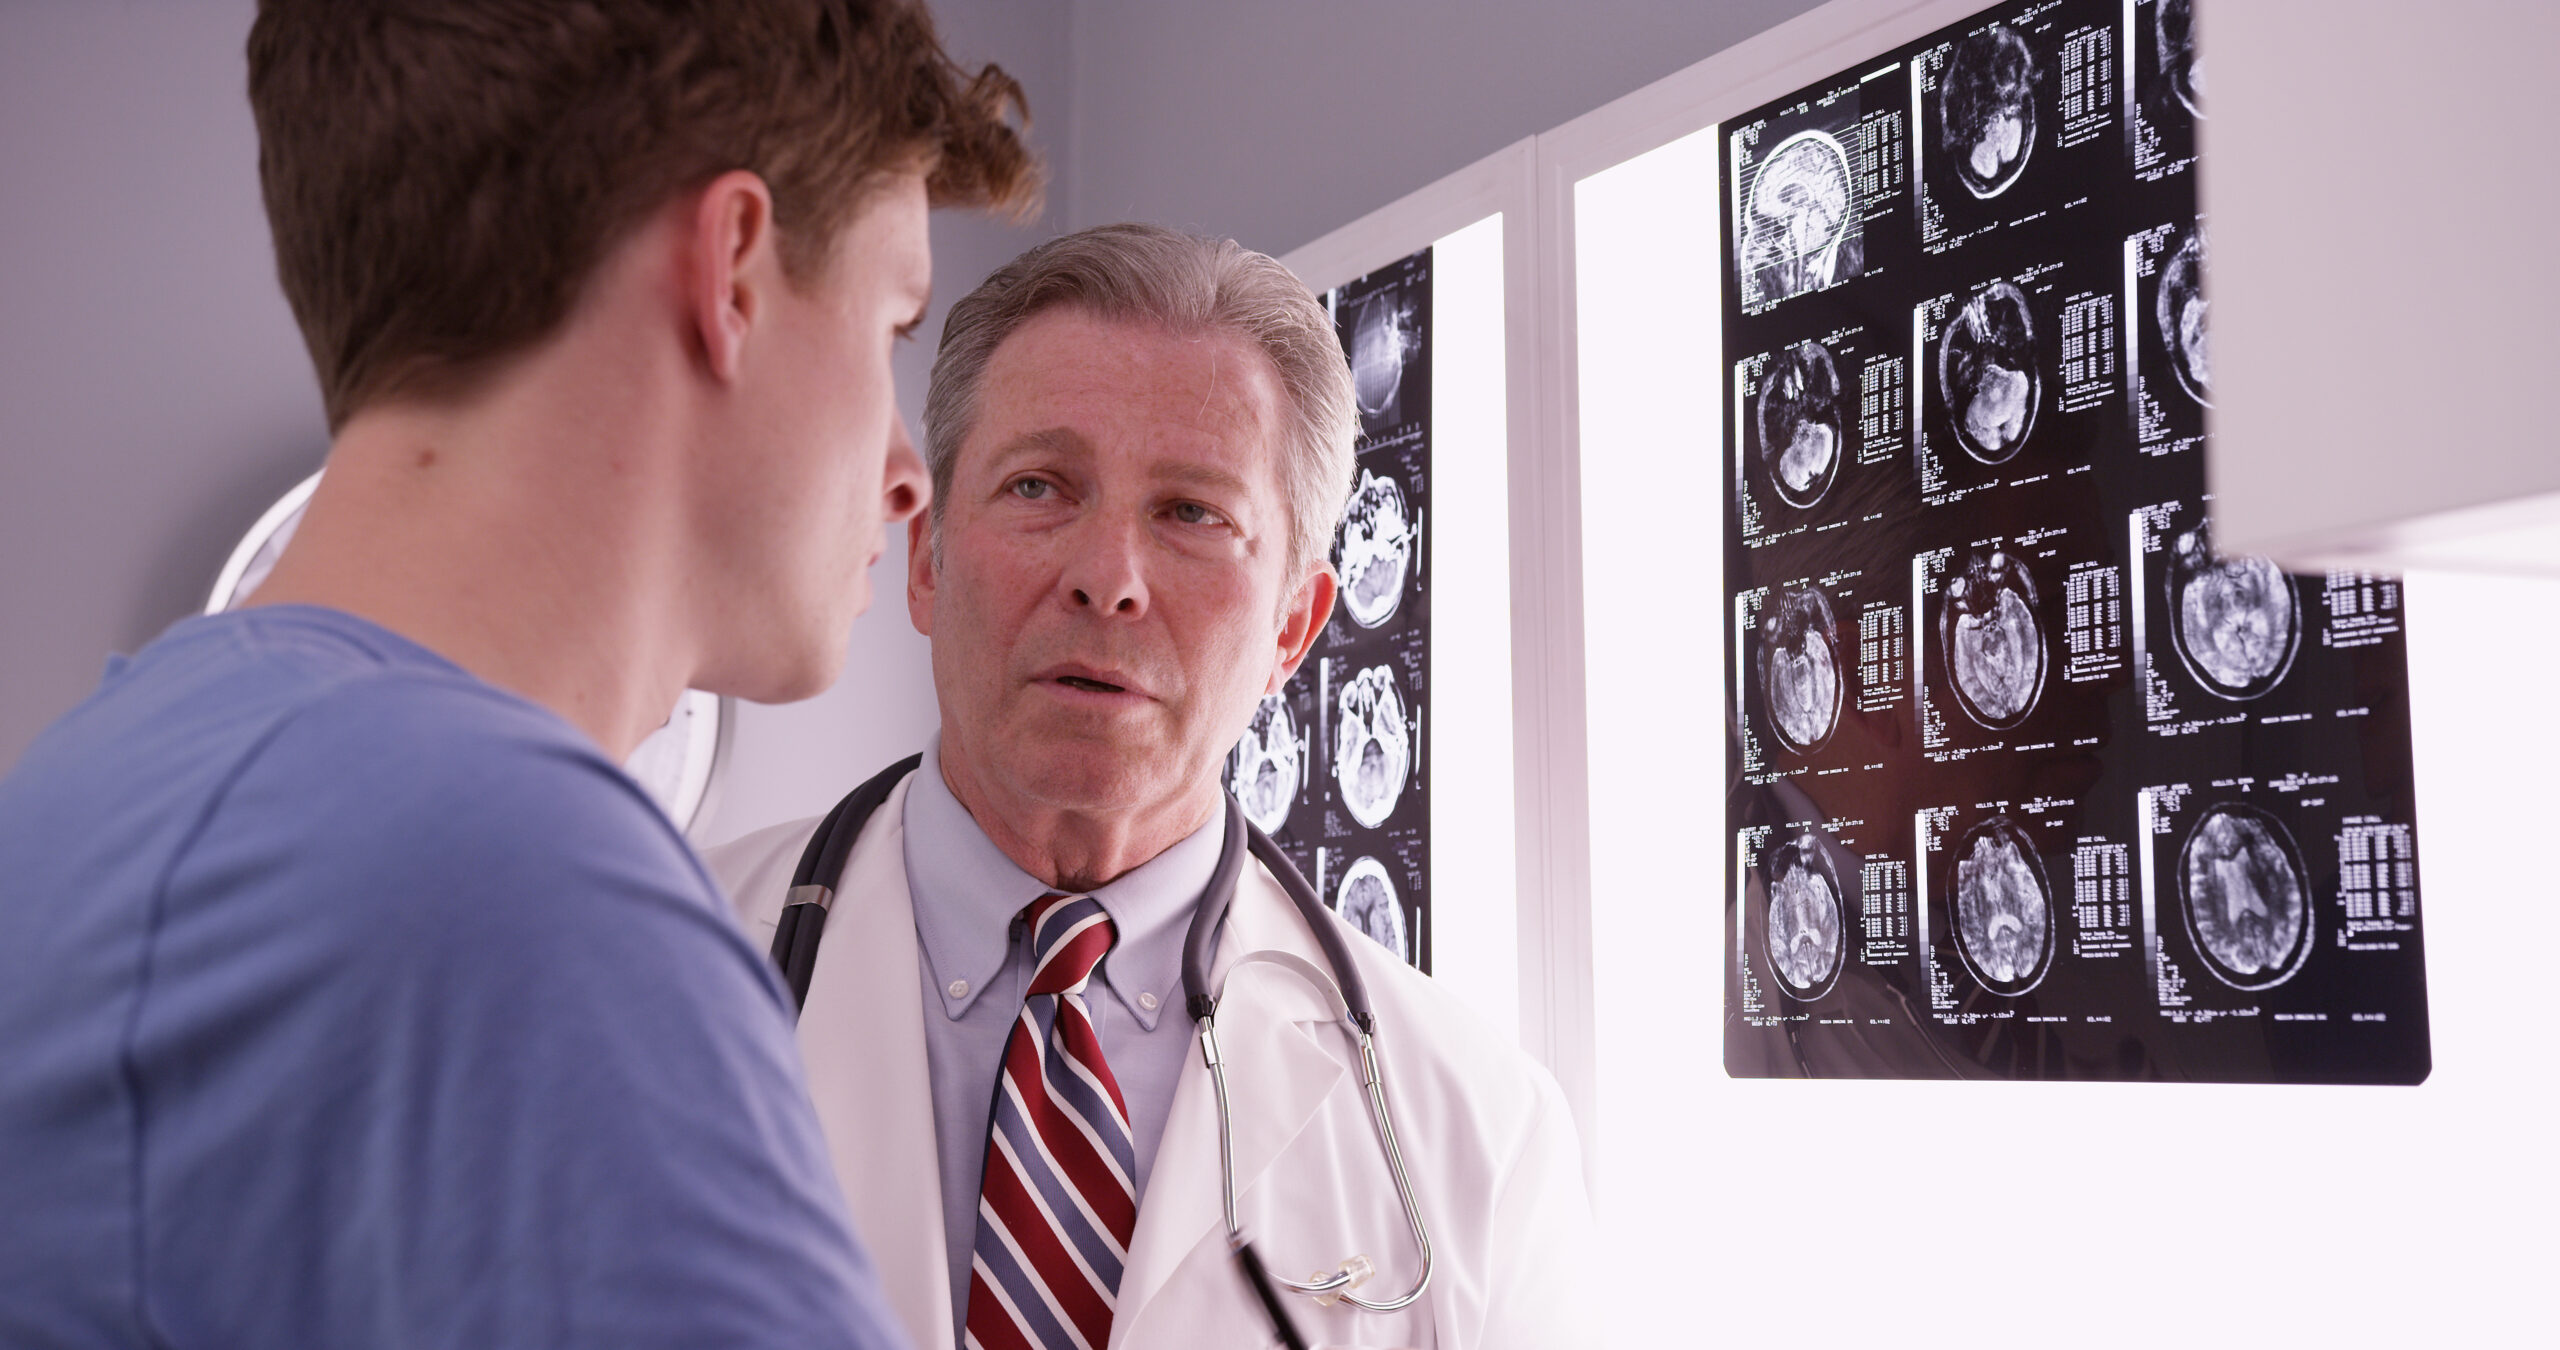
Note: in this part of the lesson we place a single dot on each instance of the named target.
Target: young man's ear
(733, 261)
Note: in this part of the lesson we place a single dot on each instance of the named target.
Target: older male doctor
(1139, 443)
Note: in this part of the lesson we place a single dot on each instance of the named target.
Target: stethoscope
(804, 921)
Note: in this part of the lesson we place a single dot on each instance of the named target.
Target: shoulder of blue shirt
(489, 980)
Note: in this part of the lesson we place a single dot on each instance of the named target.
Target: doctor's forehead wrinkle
(1044, 443)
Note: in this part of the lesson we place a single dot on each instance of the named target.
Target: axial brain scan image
(1800, 667)
(1987, 110)
(1994, 643)
(1987, 373)
(1265, 769)
(1366, 900)
(1383, 338)
(2246, 901)
(2235, 622)
(2003, 907)
(1372, 751)
(2174, 45)
(2180, 312)
(1798, 220)
(1806, 922)
(1377, 549)
(1801, 428)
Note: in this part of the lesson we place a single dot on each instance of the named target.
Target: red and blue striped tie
(1058, 1204)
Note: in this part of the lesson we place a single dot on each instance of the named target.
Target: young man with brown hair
(351, 995)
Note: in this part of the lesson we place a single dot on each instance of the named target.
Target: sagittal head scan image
(2003, 907)
(1987, 109)
(1799, 663)
(2180, 312)
(1801, 427)
(2246, 898)
(1265, 770)
(1383, 338)
(1371, 748)
(1366, 900)
(1377, 549)
(2235, 622)
(1806, 922)
(1987, 373)
(1799, 216)
(1994, 643)
(2173, 38)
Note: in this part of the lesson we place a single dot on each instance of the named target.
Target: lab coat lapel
(1278, 1076)
(862, 1035)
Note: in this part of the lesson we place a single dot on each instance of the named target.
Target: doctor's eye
(1029, 489)
(1193, 513)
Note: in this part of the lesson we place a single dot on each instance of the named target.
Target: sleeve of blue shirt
(466, 1053)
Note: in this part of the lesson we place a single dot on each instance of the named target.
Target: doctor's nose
(1103, 574)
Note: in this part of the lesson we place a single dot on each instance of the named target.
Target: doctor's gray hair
(1150, 274)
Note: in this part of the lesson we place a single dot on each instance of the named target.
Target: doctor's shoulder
(753, 872)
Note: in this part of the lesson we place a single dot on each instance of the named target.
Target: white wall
(154, 394)
(1275, 123)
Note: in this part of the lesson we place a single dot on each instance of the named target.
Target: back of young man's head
(442, 176)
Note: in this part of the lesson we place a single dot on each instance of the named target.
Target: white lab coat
(1486, 1134)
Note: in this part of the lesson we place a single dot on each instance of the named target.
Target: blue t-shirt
(347, 1000)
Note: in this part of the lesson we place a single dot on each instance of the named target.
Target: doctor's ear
(1299, 623)
(921, 575)
(732, 260)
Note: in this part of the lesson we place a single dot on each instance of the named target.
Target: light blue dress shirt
(969, 899)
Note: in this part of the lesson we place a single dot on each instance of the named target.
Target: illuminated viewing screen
(2028, 780)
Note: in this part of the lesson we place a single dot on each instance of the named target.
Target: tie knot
(1069, 937)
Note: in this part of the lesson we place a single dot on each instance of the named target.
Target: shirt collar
(968, 893)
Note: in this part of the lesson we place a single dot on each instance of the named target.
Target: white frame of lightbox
(1531, 184)
(1497, 185)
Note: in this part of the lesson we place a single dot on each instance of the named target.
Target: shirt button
(959, 988)
(1147, 1002)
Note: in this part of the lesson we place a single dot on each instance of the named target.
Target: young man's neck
(529, 534)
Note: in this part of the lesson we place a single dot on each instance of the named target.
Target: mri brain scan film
(1802, 433)
(1377, 549)
(2003, 907)
(2180, 313)
(1988, 375)
(1799, 217)
(1265, 769)
(2248, 907)
(2173, 39)
(1800, 677)
(1987, 110)
(1994, 643)
(1372, 750)
(1366, 900)
(1383, 338)
(2024, 779)
(2235, 622)
(1806, 918)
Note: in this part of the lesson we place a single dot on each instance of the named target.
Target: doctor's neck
(1101, 836)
